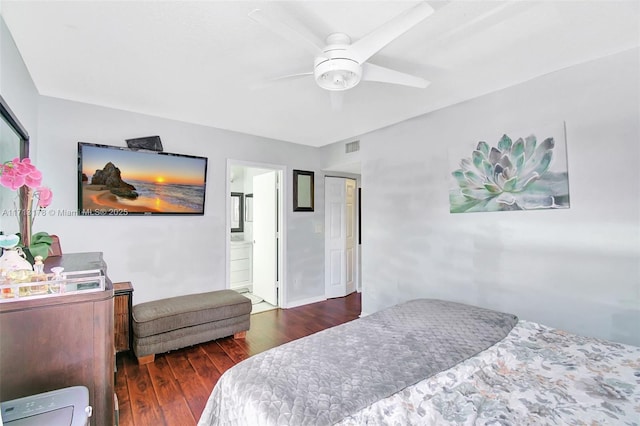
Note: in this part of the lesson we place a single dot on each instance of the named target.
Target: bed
(433, 362)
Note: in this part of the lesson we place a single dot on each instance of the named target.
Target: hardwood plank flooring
(174, 389)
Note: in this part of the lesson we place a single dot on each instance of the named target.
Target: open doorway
(255, 224)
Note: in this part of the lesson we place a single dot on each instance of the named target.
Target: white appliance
(67, 406)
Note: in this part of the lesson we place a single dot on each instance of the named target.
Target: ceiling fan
(339, 64)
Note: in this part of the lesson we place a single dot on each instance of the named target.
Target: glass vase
(25, 217)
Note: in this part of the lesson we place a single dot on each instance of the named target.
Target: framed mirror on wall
(302, 191)
(237, 212)
(14, 142)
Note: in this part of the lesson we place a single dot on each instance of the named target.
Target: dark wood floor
(175, 388)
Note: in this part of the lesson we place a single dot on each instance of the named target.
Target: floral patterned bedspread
(537, 375)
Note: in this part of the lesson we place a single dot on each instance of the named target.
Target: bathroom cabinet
(241, 258)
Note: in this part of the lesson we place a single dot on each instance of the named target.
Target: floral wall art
(515, 171)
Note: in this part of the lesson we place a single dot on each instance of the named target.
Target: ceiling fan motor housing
(338, 74)
(335, 69)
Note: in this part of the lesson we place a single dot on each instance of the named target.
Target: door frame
(282, 221)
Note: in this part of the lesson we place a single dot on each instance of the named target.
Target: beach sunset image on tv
(120, 181)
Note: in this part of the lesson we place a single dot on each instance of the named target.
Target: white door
(340, 221)
(265, 219)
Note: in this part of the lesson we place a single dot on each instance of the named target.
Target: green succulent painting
(511, 176)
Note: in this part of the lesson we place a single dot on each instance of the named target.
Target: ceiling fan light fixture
(338, 74)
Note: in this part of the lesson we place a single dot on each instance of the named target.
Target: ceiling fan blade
(373, 42)
(371, 72)
(337, 99)
(271, 81)
(286, 31)
(291, 76)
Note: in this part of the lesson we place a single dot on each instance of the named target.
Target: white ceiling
(206, 62)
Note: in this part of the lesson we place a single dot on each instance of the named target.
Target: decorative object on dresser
(56, 247)
(13, 258)
(122, 320)
(23, 177)
(19, 175)
(176, 322)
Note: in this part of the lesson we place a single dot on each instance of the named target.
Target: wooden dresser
(57, 342)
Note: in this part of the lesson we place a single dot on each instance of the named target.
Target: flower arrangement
(21, 176)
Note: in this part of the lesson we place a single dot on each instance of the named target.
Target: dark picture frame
(303, 191)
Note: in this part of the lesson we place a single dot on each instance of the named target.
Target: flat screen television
(117, 181)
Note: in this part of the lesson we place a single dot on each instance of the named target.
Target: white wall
(576, 269)
(167, 255)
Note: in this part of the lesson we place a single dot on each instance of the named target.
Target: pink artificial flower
(32, 176)
(15, 173)
(18, 172)
(45, 195)
(33, 179)
(11, 179)
(23, 167)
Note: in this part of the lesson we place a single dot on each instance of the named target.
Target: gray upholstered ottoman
(167, 324)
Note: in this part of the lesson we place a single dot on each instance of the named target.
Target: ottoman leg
(240, 335)
(147, 359)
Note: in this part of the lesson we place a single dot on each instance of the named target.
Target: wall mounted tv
(116, 181)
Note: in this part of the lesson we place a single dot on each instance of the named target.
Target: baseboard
(364, 314)
(303, 302)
